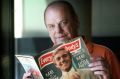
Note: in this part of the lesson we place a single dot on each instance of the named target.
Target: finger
(97, 59)
(97, 63)
(102, 74)
(35, 72)
(98, 68)
(26, 76)
(99, 76)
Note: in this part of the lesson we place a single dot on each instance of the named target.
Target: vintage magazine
(56, 63)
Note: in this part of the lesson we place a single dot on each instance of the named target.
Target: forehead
(57, 12)
(60, 53)
(59, 7)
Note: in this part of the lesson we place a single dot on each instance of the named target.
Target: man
(63, 61)
(62, 24)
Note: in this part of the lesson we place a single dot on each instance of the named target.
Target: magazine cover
(68, 60)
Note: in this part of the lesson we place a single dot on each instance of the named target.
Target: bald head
(65, 4)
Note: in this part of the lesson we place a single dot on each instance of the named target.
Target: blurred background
(22, 29)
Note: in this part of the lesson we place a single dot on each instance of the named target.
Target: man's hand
(100, 67)
(32, 74)
(27, 75)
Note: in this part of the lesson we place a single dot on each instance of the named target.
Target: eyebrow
(63, 19)
(59, 21)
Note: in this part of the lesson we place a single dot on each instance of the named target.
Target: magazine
(68, 60)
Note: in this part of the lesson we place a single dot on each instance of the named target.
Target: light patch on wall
(33, 16)
(18, 18)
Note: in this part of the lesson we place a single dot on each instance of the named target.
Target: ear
(76, 26)
(55, 65)
(76, 21)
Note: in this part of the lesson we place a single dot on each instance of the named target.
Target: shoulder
(103, 51)
(98, 50)
(102, 48)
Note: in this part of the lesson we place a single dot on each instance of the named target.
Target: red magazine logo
(73, 46)
(45, 59)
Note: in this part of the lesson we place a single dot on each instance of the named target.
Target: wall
(105, 17)
(33, 20)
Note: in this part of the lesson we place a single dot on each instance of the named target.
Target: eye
(65, 55)
(64, 23)
(58, 59)
(50, 26)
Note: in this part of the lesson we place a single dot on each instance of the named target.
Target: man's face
(60, 24)
(62, 60)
